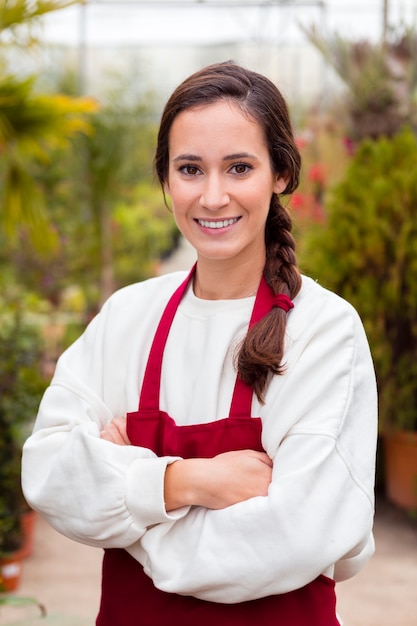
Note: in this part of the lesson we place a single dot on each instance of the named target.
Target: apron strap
(241, 404)
(149, 396)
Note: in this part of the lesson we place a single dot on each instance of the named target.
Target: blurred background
(82, 86)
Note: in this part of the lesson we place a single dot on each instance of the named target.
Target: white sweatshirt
(319, 428)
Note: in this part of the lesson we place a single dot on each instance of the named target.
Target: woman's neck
(222, 281)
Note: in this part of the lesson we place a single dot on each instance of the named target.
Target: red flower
(317, 174)
(297, 200)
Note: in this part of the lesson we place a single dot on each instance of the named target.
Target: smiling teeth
(218, 224)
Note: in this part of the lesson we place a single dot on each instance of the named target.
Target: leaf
(17, 12)
(21, 601)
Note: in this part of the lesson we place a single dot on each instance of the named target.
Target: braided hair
(261, 352)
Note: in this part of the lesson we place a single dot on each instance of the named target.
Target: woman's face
(220, 182)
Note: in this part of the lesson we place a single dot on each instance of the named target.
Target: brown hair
(261, 352)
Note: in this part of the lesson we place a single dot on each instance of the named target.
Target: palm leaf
(31, 127)
(14, 13)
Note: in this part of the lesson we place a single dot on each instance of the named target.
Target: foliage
(367, 252)
(144, 231)
(381, 80)
(111, 166)
(21, 387)
(102, 200)
(325, 153)
(32, 125)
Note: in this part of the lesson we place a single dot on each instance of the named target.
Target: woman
(241, 488)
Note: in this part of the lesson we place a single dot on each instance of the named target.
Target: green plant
(367, 252)
(21, 387)
(21, 601)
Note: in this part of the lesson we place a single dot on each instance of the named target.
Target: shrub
(367, 252)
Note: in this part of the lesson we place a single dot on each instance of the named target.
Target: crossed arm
(242, 474)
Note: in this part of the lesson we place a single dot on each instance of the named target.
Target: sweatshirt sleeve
(319, 427)
(89, 489)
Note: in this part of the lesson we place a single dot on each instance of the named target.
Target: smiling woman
(239, 484)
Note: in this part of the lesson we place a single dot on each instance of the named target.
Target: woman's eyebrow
(187, 157)
(239, 155)
(227, 157)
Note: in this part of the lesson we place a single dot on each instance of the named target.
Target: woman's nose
(214, 195)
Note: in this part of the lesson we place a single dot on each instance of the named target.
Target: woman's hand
(218, 482)
(115, 431)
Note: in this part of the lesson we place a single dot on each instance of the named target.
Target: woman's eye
(189, 170)
(241, 168)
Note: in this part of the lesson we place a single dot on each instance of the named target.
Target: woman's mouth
(214, 224)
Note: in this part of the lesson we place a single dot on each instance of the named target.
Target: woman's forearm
(217, 482)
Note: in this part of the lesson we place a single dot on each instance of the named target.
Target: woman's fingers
(115, 431)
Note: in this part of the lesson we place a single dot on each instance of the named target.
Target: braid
(262, 349)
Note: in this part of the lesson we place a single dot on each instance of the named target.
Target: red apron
(129, 597)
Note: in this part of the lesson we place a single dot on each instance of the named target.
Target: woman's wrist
(179, 484)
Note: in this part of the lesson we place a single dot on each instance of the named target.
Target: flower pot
(10, 571)
(400, 450)
(28, 523)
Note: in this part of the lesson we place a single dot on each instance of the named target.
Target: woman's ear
(280, 184)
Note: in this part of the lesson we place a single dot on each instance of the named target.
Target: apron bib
(129, 597)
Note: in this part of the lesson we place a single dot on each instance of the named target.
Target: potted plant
(21, 387)
(367, 252)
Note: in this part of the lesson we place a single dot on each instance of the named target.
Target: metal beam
(219, 4)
